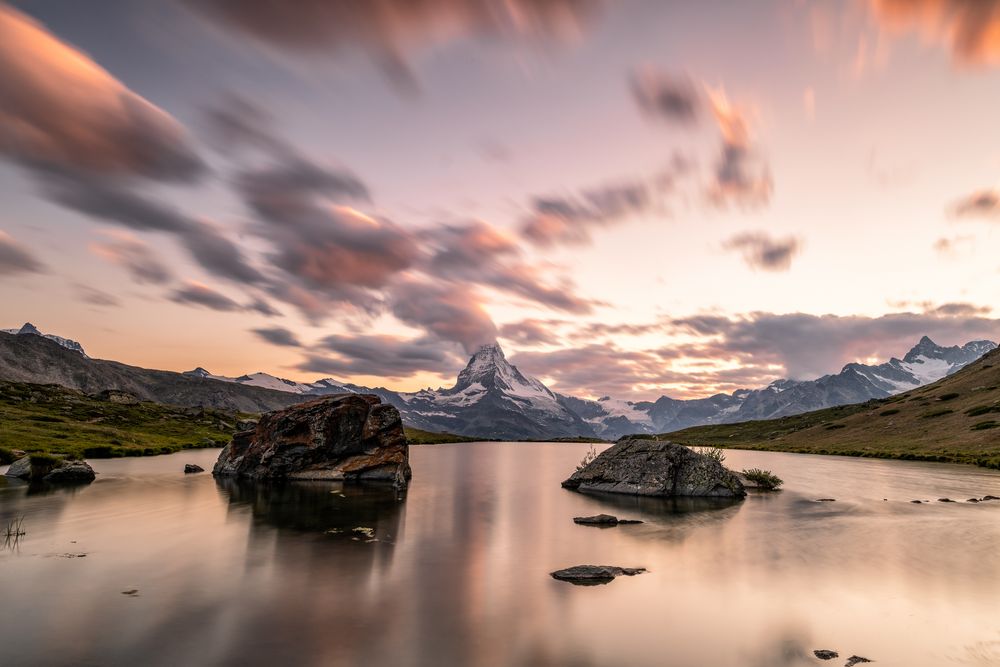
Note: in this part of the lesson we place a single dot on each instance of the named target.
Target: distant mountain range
(491, 398)
(926, 362)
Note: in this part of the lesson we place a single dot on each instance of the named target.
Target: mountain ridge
(491, 397)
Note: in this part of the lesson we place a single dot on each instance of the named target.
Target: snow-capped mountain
(491, 399)
(268, 381)
(926, 362)
(29, 328)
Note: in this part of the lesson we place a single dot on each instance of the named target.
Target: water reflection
(457, 574)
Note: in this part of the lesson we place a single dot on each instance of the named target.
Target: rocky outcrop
(191, 468)
(645, 467)
(350, 437)
(51, 469)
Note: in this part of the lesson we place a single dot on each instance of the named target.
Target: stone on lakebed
(352, 437)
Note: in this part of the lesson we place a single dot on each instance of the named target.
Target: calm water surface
(458, 574)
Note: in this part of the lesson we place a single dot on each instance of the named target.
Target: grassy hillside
(956, 419)
(56, 420)
(416, 436)
(38, 418)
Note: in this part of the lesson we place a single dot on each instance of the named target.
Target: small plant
(588, 458)
(948, 397)
(889, 412)
(936, 413)
(13, 532)
(765, 479)
(713, 453)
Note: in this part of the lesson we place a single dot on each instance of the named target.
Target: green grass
(52, 420)
(416, 436)
(900, 427)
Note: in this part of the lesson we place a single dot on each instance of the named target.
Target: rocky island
(646, 467)
(344, 437)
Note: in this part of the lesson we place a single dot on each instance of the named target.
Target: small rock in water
(132, 592)
(945, 500)
(826, 500)
(622, 522)
(364, 530)
(972, 500)
(990, 498)
(825, 654)
(916, 502)
(191, 467)
(594, 575)
(856, 660)
(597, 520)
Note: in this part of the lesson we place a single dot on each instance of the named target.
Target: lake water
(458, 573)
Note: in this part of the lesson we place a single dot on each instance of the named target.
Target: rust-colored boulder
(338, 437)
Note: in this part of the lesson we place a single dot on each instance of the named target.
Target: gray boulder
(644, 467)
(20, 468)
(190, 468)
(351, 437)
(70, 472)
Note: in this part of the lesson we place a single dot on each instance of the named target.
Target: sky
(634, 197)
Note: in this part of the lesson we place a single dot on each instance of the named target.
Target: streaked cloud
(674, 98)
(982, 204)
(278, 336)
(387, 31)
(59, 110)
(382, 356)
(970, 29)
(16, 258)
(133, 254)
(765, 252)
(202, 295)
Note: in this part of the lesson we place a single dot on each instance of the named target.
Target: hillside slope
(955, 419)
(38, 360)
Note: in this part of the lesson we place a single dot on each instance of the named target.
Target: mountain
(926, 362)
(491, 399)
(41, 360)
(267, 381)
(954, 419)
(29, 328)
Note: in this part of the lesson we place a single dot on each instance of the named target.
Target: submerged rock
(856, 660)
(645, 467)
(826, 654)
(594, 575)
(602, 520)
(192, 468)
(340, 437)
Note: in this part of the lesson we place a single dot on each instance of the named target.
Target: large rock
(645, 467)
(339, 437)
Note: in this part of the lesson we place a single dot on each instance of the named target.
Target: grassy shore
(49, 419)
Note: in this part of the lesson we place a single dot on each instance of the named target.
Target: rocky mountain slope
(37, 359)
(856, 383)
(955, 419)
(29, 328)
